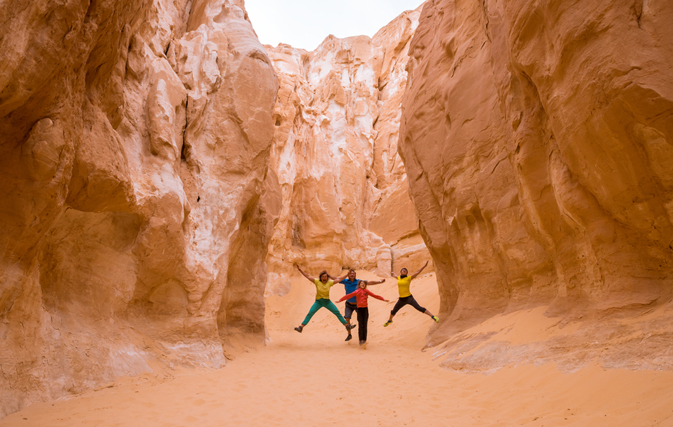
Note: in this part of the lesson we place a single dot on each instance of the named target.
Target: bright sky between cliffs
(305, 23)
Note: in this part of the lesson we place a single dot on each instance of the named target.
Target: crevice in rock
(184, 152)
(484, 8)
(638, 9)
(91, 10)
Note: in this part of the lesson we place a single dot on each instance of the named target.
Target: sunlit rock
(344, 187)
(136, 201)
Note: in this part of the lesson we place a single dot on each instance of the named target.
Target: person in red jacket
(361, 295)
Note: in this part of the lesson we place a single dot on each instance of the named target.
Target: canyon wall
(344, 189)
(135, 201)
(538, 143)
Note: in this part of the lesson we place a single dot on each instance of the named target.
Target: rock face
(538, 143)
(344, 190)
(133, 170)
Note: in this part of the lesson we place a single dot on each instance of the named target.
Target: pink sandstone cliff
(538, 143)
(344, 190)
(135, 203)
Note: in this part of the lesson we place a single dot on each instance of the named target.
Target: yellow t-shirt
(322, 289)
(403, 285)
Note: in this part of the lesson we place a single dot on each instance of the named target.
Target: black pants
(363, 318)
(404, 301)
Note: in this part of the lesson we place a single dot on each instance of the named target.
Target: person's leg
(398, 305)
(363, 318)
(333, 308)
(348, 312)
(314, 308)
(412, 302)
(417, 306)
(361, 326)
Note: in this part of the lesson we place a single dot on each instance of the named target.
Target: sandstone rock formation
(344, 190)
(538, 143)
(137, 202)
(133, 170)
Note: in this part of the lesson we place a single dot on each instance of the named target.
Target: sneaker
(299, 328)
(349, 337)
(387, 323)
(435, 318)
(349, 327)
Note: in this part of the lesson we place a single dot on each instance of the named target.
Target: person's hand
(426, 264)
(385, 300)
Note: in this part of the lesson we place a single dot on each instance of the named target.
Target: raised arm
(393, 275)
(378, 282)
(312, 279)
(413, 276)
(338, 279)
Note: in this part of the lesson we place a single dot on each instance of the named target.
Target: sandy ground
(317, 379)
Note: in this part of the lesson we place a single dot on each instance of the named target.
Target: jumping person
(361, 295)
(351, 285)
(403, 283)
(322, 285)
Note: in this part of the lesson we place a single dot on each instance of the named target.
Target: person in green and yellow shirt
(322, 285)
(403, 284)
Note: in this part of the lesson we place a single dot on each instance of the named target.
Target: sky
(305, 23)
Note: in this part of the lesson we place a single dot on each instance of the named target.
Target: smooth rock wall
(134, 179)
(538, 143)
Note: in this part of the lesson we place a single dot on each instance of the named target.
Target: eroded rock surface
(133, 171)
(538, 143)
(344, 190)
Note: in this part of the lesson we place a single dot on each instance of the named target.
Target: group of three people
(356, 299)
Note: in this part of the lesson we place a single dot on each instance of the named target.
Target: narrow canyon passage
(163, 169)
(317, 379)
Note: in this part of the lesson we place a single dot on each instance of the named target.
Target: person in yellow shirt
(322, 286)
(403, 284)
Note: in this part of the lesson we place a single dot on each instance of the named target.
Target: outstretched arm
(312, 279)
(345, 297)
(413, 276)
(393, 275)
(372, 294)
(378, 282)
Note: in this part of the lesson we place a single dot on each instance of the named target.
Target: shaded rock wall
(133, 170)
(344, 190)
(538, 143)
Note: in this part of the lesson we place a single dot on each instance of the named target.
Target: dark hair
(351, 270)
(321, 273)
(403, 268)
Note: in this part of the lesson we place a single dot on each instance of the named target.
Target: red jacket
(361, 297)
